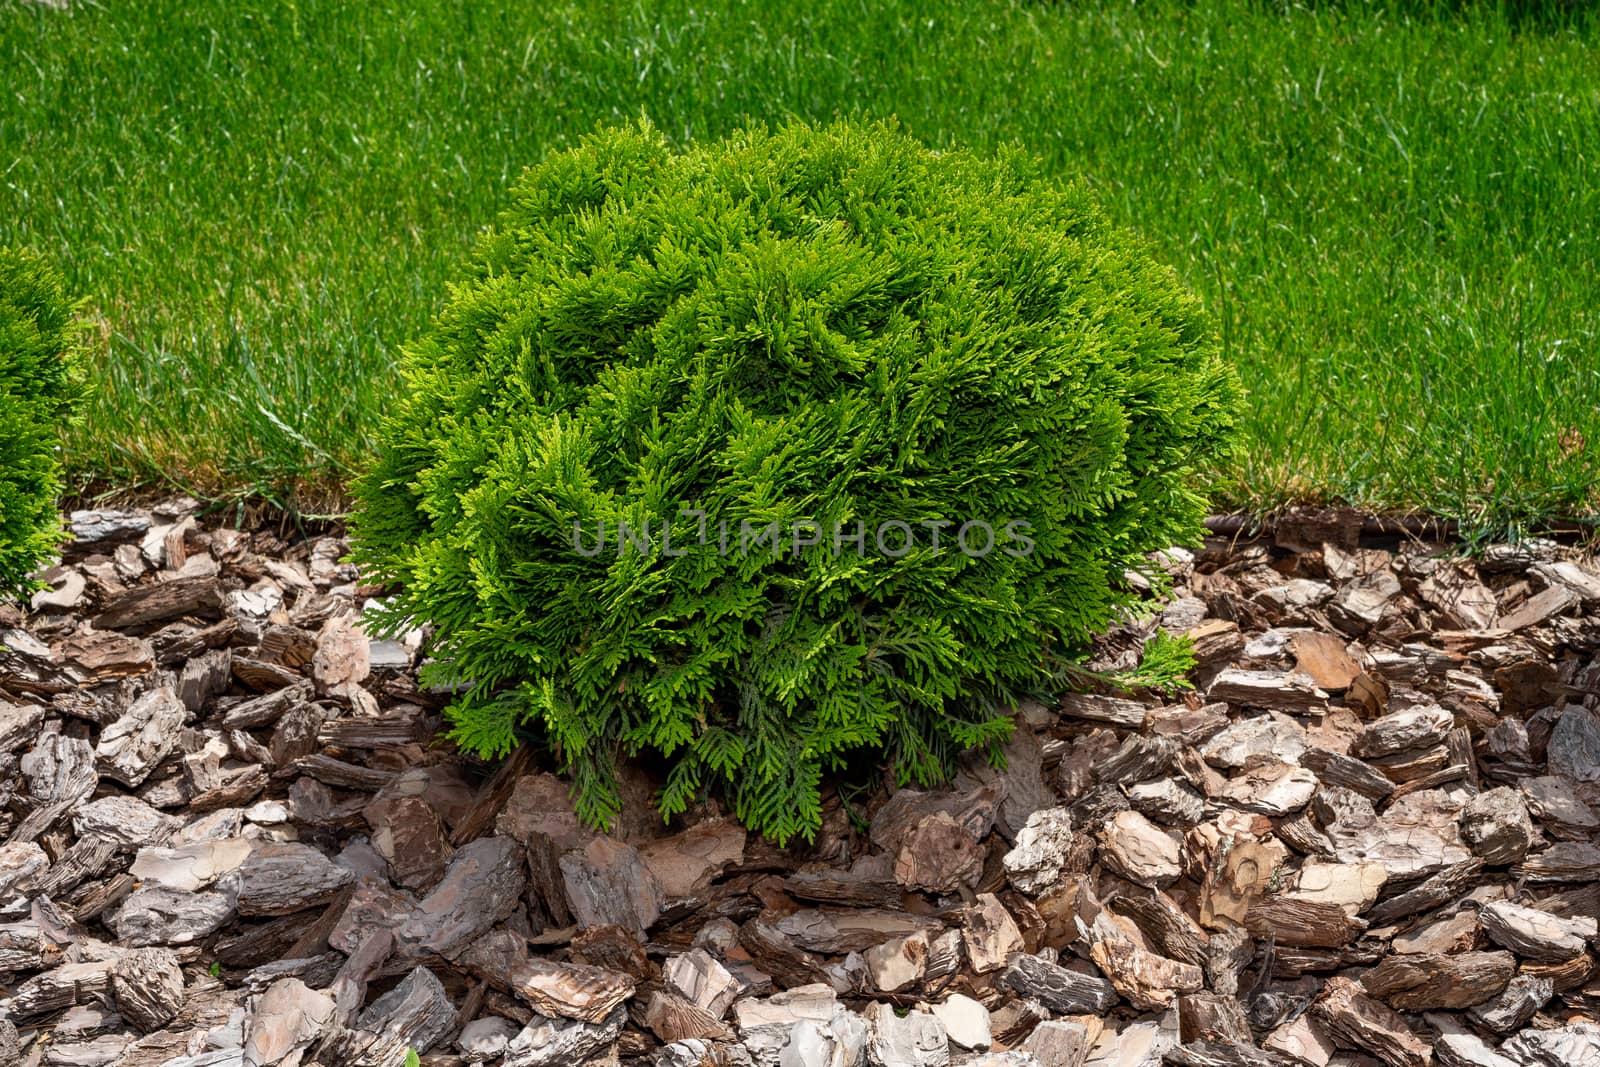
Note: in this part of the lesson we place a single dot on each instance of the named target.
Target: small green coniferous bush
(41, 382)
(776, 448)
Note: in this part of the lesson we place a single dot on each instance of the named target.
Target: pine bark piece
(106, 656)
(1362, 603)
(695, 1053)
(1211, 1017)
(1553, 601)
(608, 882)
(156, 915)
(1063, 991)
(410, 837)
(341, 661)
(366, 731)
(280, 878)
(480, 888)
(1322, 658)
(1515, 1005)
(1356, 1020)
(1269, 690)
(176, 643)
(22, 864)
(1496, 826)
(27, 666)
(939, 855)
(1271, 787)
(1220, 1054)
(1043, 851)
(531, 808)
(560, 1042)
(898, 962)
(1464, 602)
(147, 987)
(1574, 748)
(1148, 981)
(349, 987)
(1303, 835)
(1140, 851)
(1303, 923)
(324, 768)
(562, 990)
(415, 1015)
(914, 1040)
(58, 770)
(672, 1018)
(611, 948)
(1228, 953)
(1426, 982)
(1565, 976)
(869, 883)
(1334, 768)
(107, 526)
(1167, 801)
(204, 677)
(371, 906)
(148, 604)
(124, 821)
(60, 775)
(19, 724)
(1252, 738)
(265, 710)
(62, 987)
(287, 646)
(97, 1052)
(1536, 935)
(1138, 758)
(685, 864)
(699, 978)
(284, 1021)
(1463, 1049)
(1443, 887)
(297, 733)
(775, 954)
(1564, 861)
(1456, 933)
(1424, 726)
(187, 868)
(976, 809)
(947, 954)
(1118, 711)
(1409, 839)
(835, 931)
(1166, 926)
(990, 933)
(1303, 1041)
(235, 790)
(1059, 1042)
(1352, 886)
(1236, 879)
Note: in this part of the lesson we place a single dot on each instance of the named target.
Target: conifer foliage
(41, 382)
(669, 372)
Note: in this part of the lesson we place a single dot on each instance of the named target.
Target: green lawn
(1395, 218)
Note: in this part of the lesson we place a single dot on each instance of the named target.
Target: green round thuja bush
(41, 382)
(767, 450)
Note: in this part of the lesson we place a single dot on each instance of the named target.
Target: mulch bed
(1369, 835)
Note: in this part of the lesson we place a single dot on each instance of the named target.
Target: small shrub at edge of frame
(41, 385)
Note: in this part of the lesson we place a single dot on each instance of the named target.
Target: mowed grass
(1393, 210)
